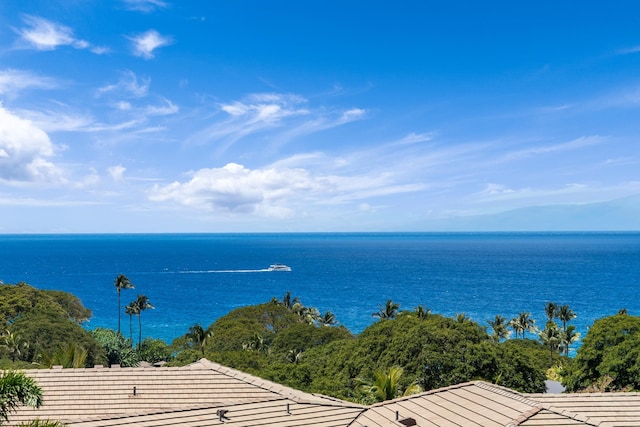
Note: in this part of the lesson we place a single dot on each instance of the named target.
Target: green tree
(198, 336)
(517, 326)
(141, 304)
(565, 314)
(421, 312)
(523, 323)
(499, 329)
(551, 337)
(69, 356)
(385, 385)
(568, 337)
(131, 310)
(17, 389)
(551, 310)
(15, 346)
(155, 350)
(327, 319)
(121, 282)
(389, 311)
(118, 350)
(609, 356)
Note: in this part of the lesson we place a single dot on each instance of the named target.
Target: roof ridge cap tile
(273, 387)
(426, 393)
(525, 416)
(512, 394)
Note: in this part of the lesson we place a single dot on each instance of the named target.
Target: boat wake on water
(272, 267)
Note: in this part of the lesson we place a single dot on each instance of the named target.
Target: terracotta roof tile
(192, 396)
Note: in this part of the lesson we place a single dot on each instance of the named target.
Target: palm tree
(551, 310)
(199, 336)
(14, 345)
(122, 282)
(421, 312)
(517, 326)
(287, 301)
(131, 310)
(385, 385)
(389, 311)
(462, 318)
(141, 304)
(69, 356)
(527, 323)
(499, 328)
(327, 319)
(565, 314)
(551, 337)
(568, 337)
(17, 389)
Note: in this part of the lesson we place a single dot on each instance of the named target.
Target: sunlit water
(196, 278)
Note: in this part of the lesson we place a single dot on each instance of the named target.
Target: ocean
(197, 278)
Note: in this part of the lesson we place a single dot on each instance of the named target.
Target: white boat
(279, 267)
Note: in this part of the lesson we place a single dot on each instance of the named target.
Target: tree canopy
(609, 358)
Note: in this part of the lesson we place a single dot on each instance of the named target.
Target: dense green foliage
(277, 341)
(37, 323)
(118, 349)
(17, 389)
(288, 343)
(609, 358)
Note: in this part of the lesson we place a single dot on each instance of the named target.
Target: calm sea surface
(196, 278)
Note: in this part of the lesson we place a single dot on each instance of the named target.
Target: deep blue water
(196, 278)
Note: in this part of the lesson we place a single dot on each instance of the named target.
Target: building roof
(603, 409)
(208, 394)
(110, 396)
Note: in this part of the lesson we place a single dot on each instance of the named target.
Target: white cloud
(144, 44)
(162, 110)
(266, 107)
(272, 192)
(145, 6)
(352, 115)
(24, 150)
(117, 172)
(127, 86)
(574, 144)
(43, 34)
(414, 138)
(287, 115)
(13, 81)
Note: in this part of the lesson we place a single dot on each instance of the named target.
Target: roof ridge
(562, 412)
(427, 392)
(278, 389)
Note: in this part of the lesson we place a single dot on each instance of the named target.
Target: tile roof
(194, 395)
(603, 409)
(72, 395)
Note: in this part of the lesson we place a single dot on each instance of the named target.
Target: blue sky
(213, 116)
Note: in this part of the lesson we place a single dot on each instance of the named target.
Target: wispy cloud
(129, 85)
(145, 6)
(414, 138)
(574, 144)
(43, 34)
(146, 43)
(165, 108)
(13, 81)
(286, 116)
(628, 50)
